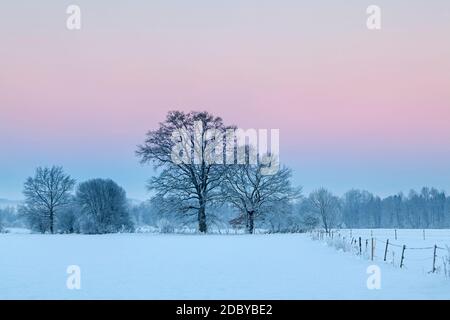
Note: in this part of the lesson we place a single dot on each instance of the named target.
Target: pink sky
(355, 108)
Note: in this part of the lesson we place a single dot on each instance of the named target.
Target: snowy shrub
(310, 222)
(339, 244)
(126, 228)
(315, 236)
(165, 226)
(10, 218)
(67, 219)
(446, 263)
(146, 229)
(88, 225)
(35, 218)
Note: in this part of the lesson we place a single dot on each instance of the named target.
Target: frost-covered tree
(45, 194)
(181, 148)
(393, 211)
(10, 217)
(361, 209)
(307, 219)
(323, 203)
(255, 193)
(165, 213)
(427, 208)
(282, 218)
(104, 207)
(68, 219)
(142, 214)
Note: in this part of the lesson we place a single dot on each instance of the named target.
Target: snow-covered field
(150, 266)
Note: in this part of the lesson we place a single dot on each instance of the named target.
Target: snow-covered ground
(150, 266)
(419, 253)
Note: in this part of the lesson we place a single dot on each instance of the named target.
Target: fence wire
(367, 247)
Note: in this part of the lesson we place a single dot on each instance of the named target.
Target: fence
(367, 247)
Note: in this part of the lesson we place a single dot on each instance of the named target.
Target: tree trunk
(51, 221)
(324, 220)
(202, 218)
(250, 221)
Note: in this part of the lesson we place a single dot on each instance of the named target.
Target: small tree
(323, 203)
(45, 194)
(104, 207)
(254, 193)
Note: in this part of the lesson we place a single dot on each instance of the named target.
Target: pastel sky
(355, 108)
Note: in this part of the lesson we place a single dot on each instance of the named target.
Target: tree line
(201, 193)
(427, 208)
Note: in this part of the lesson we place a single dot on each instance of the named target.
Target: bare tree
(195, 179)
(326, 205)
(45, 193)
(254, 193)
(104, 206)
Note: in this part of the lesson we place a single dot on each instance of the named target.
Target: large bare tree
(254, 193)
(45, 193)
(181, 148)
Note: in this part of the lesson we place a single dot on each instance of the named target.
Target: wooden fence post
(372, 250)
(434, 259)
(360, 249)
(386, 250)
(403, 256)
(395, 234)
